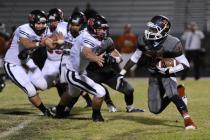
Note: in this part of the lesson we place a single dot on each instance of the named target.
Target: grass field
(19, 120)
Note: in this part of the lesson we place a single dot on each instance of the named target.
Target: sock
(87, 99)
(42, 108)
(107, 98)
(96, 111)
(60, 109)
(179, 104)
(128, 99)
(61, 88)
(72, 102)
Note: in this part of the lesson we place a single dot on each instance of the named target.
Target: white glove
(163, 70)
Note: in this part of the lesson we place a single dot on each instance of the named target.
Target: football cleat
(133, 109)
(97, 117)
(189, 124)
(65, 114)
(112, 108)
(49, 113)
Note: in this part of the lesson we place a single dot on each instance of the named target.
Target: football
(167, 62)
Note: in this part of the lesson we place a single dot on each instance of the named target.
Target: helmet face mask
(102, 33)
(37, 21)
(98, 27)
(75, 22)
(158, 28)
(55, 15)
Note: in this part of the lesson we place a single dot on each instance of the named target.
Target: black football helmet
(158, 28)
(98, 22)
(37, 16)
(77, 19)
(55, 14)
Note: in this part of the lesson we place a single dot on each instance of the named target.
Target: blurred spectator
(4, 39)
(192, 37)
(126, 44)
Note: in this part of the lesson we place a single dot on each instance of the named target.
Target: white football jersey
(23, 31)
(56, 54)
(77, 61)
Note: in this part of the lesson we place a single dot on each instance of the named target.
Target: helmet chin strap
(156, 43)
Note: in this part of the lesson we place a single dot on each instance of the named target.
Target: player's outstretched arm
(91, 56)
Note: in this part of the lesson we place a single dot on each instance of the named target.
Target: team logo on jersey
(31, 17)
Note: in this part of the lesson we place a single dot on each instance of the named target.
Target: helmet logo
(31, 17)
(91, 22)
(165, 22)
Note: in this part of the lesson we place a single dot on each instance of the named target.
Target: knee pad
(154, 108)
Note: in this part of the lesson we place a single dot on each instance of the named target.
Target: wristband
(60, 41)
(123, 72)
(117, 59)
(37, 44)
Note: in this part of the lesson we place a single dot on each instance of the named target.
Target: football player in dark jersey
(153, 46)
(109, 76)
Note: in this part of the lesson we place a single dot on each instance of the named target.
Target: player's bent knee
(126, 88)
(154, 108)
(100, 91)
(31, 92)
(41, 84)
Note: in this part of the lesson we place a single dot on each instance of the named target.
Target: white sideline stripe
(15, 129)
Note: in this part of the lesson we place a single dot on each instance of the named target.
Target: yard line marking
(16, 128)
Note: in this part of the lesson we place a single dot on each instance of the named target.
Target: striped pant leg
(18, 75)
(84, 83)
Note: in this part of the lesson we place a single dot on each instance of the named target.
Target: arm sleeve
(136, 56)
(182, 59)
(184, 64)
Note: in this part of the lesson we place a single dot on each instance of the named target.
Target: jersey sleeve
(62, 28)
(178, 49)
(23, 32)
(87, 43)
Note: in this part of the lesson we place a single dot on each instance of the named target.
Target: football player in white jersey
(75, 22)
(82, 52)
(53, 64)
(50, 69)
(19, 66)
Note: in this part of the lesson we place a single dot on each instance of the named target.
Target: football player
(82, 52)
(50, 69)
(108, 75)
(75, 22)
(154, 45)
(53, 66)
(17, 62)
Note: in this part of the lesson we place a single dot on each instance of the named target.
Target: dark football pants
(110, 79)
(160, 92)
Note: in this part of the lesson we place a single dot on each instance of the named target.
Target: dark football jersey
(169, 47)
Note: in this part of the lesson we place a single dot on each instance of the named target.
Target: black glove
(23, 55)
(109, 59)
